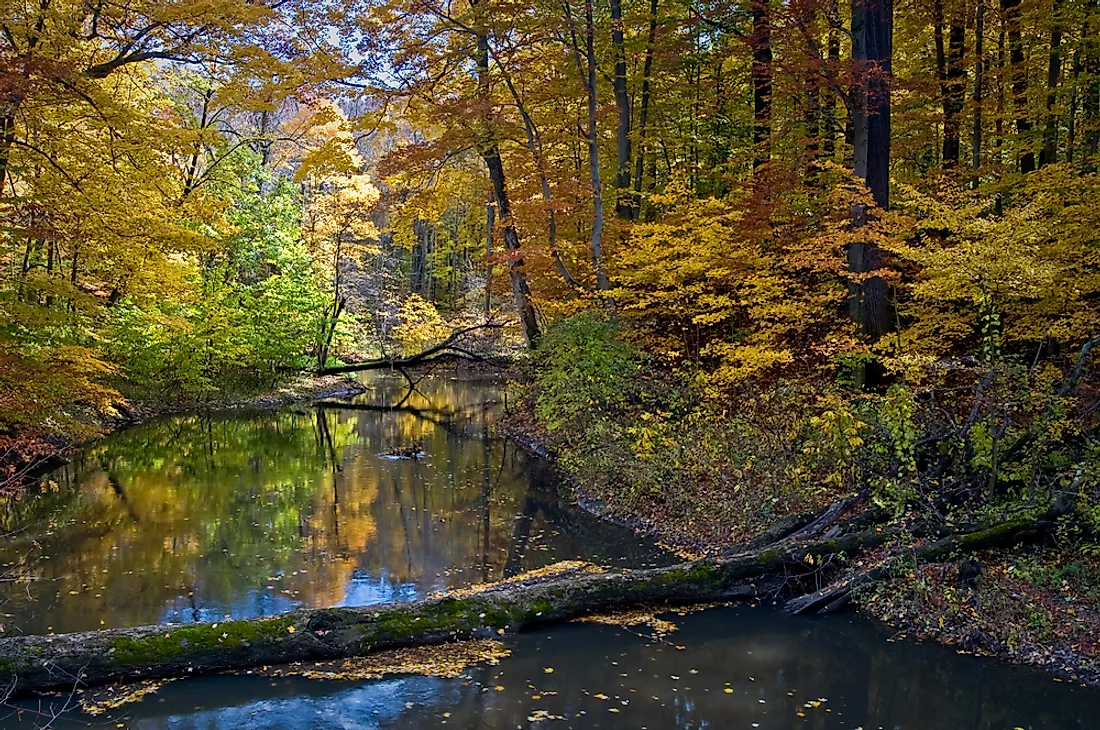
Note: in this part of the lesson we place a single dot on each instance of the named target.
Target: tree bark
(643, 110)
(872, 52)
(1018, 70)
(490, 153)
(1049, 153)
(384, 363)
(490, 226)
(588, 76)
(625, 207)
(952, 77)
(534, 145)
(979, 69)
(761, 43)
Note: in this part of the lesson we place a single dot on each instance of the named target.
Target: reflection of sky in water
(253, 603)
(368, 708)
(364, 589)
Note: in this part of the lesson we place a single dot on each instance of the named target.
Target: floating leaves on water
(540, 715)
(659, 626)
(445, 660)
(105, 699)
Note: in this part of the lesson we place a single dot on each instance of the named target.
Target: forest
(756, 267)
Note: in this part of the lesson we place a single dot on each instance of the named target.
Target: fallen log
(64, 661)
(837, 595)
(448, 348)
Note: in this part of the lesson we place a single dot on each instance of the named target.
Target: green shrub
(584, 371)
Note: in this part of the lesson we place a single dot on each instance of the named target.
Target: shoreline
(1062, 665)
(303, 389)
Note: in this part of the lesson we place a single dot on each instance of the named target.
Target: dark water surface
(840, 672)
(246, 514)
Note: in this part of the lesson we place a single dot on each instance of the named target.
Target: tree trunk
(7, 138)
(1018, 69)
(534, 145)
(952, 77)
(832, 57)
(1091, 102)
(643, 111)
(872, 51)
(588, 76)
(979, 68)
(490, 225)
(625, 207)
(761, 43)
(1049, 153)
(490, 153)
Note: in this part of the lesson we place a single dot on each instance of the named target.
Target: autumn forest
(781, 268)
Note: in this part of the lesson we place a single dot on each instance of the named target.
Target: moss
(8, 668)
(539, 607)
(702, 573)
(180, 641)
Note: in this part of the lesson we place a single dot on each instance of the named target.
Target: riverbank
(1035, 603)
(51, 452)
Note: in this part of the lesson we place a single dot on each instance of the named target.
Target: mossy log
(64, 661)
(1011, 532)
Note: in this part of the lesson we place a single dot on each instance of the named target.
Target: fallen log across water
(39, 663)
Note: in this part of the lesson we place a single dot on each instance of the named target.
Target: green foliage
(254, 306)
(584, 371)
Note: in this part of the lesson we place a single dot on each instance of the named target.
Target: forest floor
(1036, 605)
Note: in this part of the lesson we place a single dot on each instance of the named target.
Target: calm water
(774, 664)
(246, 514)
(251, 513)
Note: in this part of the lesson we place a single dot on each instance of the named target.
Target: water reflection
(246, 514)
(839, 673)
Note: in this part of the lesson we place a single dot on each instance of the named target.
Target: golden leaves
(444, 660)
(103, 700)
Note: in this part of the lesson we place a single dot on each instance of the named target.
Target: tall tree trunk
(7, 136)
(625, 207)
(979, 69)
(1049, 153)
(534, 145)
(490, 154)
(490, 225)
(1091, 102)
(956, 89)
(643, 110)
(761, 42)
(832, 57)
(1071, 123)
(587, 72)
(1018, 69)
(952, 78)
(872, 51)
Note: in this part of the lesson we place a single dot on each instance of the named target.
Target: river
(250, 513)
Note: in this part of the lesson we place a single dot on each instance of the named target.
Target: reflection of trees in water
(195, 517)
